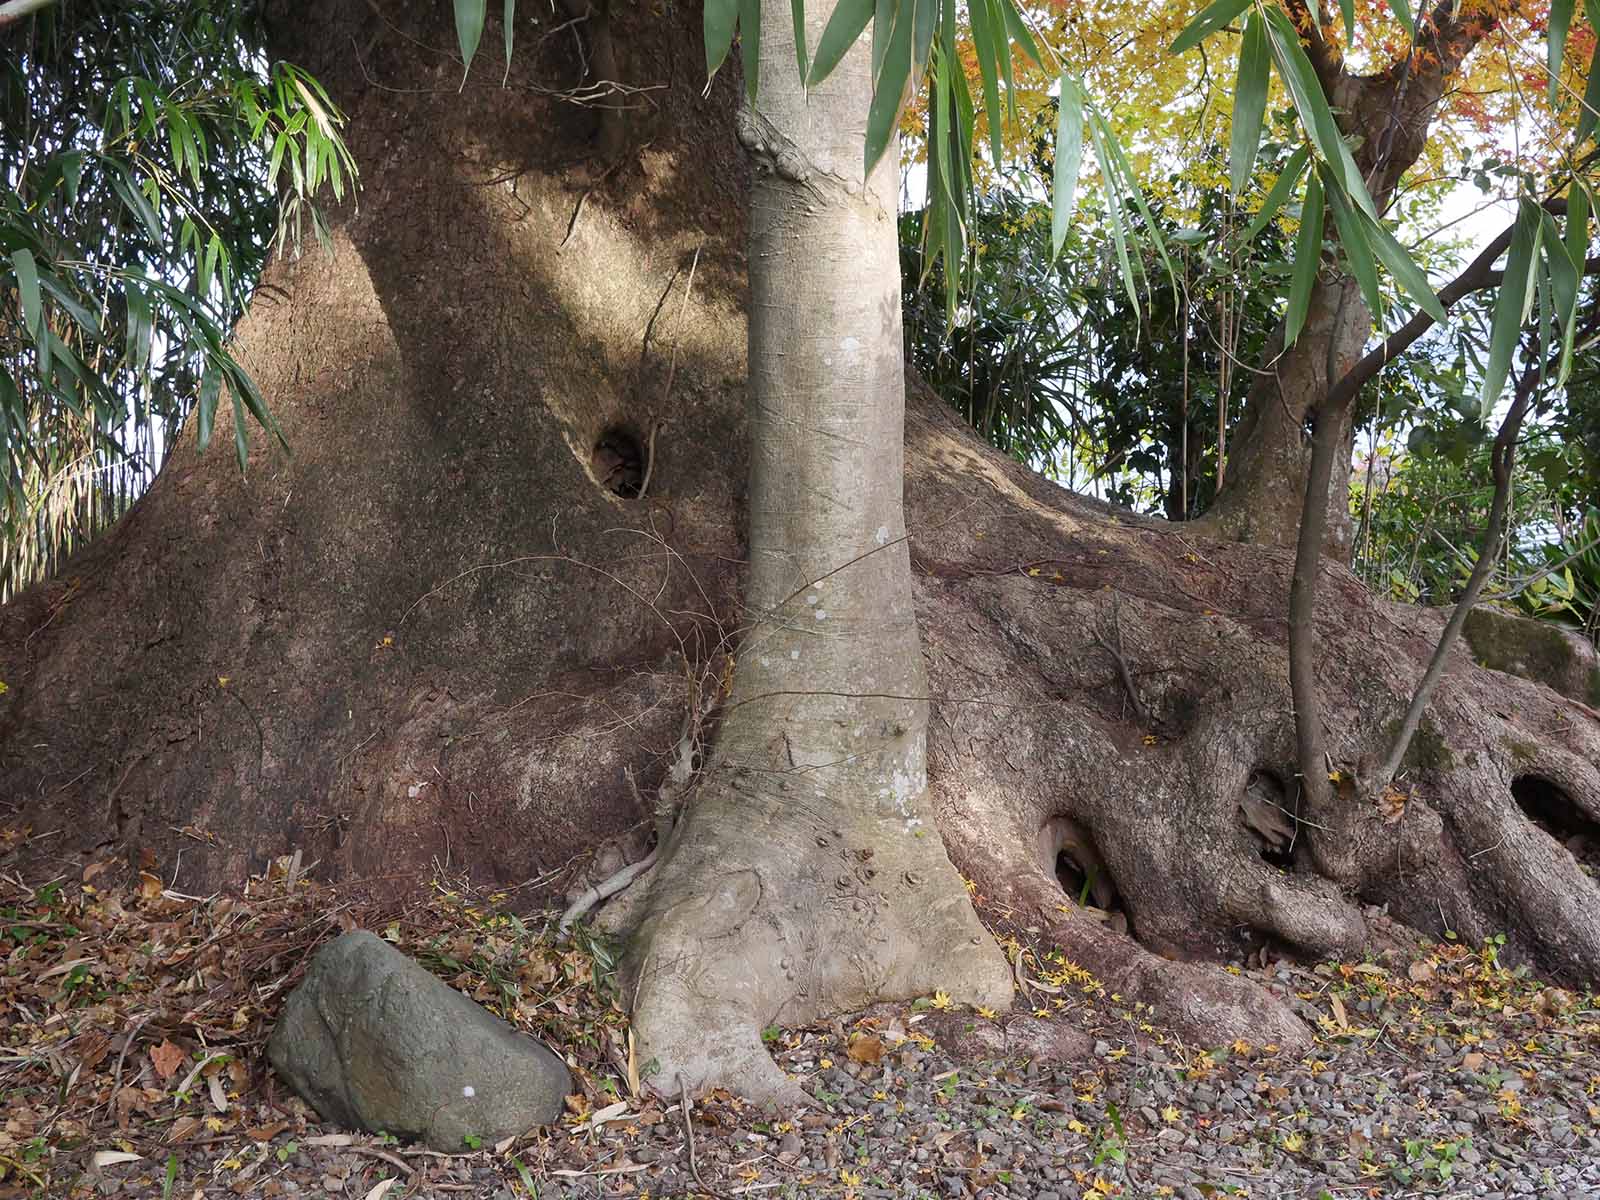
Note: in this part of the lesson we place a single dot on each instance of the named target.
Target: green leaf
(1357, 248)
(27, 270)
(86, 320)
(509, 20)
(139, 326)
(1511, 305)
(1018, 28)
(1591, 92)
(1348, 8)
(1556, 41)
(1307, 260)
(1402, 13)
(1069, 158)
(132, 198)
(1566, 270)
(1130, 180)
(1208, 22)
(750, 44)
(470, 15)
(925, 21)
(205, 410)
(797, 10)
(983, 48)
(1300, 77)
(241, 433)
(1412, 279)
(1281, 191)
(1119, 237)
(889, 88)
(720, 19)
(1249, 103)
(844, 26)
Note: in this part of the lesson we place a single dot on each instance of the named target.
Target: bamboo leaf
(1281, 191)
(22, 262)
(1511, 305)
(1018, 29)
(925, 20)
(1565, 272)
(1357, 249)
(1307, 259)
(844, 26)
(983, 49)
(1556, 41)
(1249, 104)
(1402, 13)
(889, 90)
(139, 325)
(720, 19)
(1412, 279)
(1002, 50)
(1348, 8)
(470, 15)
(241, 433)
(750, 45)
(1135, 191)
(1591, 92)
(205, 411)
(1300, 77)
(1069, 159)
(85, 319)
(509, 20)
(797, 11)
(1207, 23)
(1114, 213)
(132, 198)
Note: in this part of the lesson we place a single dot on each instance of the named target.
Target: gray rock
(373, 1041)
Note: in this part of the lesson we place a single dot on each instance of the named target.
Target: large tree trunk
(435, 638)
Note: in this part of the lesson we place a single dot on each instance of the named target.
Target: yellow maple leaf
(987, 1013)
(850, 1178)
(1169, 1114)
(941, 1000)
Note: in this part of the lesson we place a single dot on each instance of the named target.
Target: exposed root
(766, 913)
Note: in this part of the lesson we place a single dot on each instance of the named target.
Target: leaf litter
(132, 1060)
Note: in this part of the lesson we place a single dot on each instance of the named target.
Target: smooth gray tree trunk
(807, 875)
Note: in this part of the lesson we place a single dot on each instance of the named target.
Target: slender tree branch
(1478, 275)
(1310, 743)
(1501, 459)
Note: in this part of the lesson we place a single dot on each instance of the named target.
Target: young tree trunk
(808, 876)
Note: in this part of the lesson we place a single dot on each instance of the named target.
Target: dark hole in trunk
(619, 463)
(1080, 870)
(1553, 811)
(1270, 812)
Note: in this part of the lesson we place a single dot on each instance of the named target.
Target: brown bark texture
(437, 637)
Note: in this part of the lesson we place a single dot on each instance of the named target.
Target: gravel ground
(1489, 1088)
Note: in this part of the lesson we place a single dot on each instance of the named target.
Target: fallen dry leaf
(866, 1049)
(167, 1059)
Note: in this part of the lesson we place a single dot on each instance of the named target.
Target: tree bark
(434, 640)
(808, 876)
